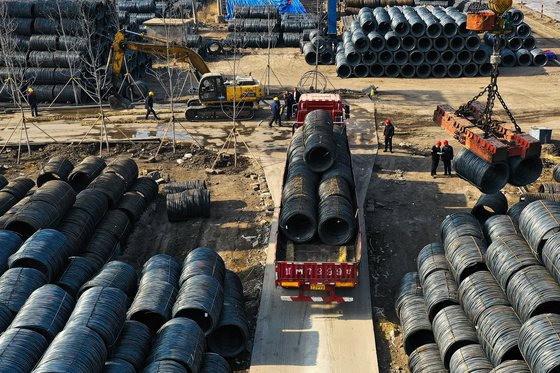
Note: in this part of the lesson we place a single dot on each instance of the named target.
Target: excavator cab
(212, 88)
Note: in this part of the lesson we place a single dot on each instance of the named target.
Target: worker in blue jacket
(275, 109)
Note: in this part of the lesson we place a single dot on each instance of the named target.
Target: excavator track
(195, 113)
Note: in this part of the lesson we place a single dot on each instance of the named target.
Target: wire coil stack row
(186, 200)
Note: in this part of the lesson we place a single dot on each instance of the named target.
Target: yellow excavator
(216, 93)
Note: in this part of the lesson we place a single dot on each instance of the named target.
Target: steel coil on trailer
(506, 256)
(515, 211)
(161, 267)
(532, 197)
(537, 222)
(539, 342)
(298, 185)
(230, 336)
(426, 359)
(465, 256)
(133, 205)
(319, 145)
(152, 304)
(117, 223)
(125, 167)
(45, 251)
(167, 366)
(512, 366)
(469, 358)
(341, 168)
(93, 202)
(298, 220)
(524, 171)
(334, 186)
(498, 332)
(17, 284)
(19, 187)
(452, 330)
(499, 226)
(200, 299)
(203, 261)
(182, 340)
(440, 291)
(103, 310)
(549, 188)
(10, 243)
(416, 328)
(110, 184)
(409, 286)
(431, 259)
(133, 344)
(479, 292)
(20, 349)
(460, 224)
(78, 227)
(115, 274)
(78, 271)
(532, 291)
(78, 349)
(118, 366)
(489, 205)
(101, 247)
(146, 187)
(337, 225)
(84, 173)
(192, 203)
(45, 311)
(486, 177)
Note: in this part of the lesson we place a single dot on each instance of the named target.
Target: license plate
(317, 287)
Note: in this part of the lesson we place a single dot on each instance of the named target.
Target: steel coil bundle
(416, 327)
(532, 197)
(17, 284)
(6, 203)
(19, 187)
(298, 185)
(465, 256)
(182, 340)
(45, 311)
(337, 225)
(431, 259)
(78, 271)
(77, 349)
(101, 309)
(524, 171)
(3, 182)
(556, 173)
(133, 344)
(161, 267)
(93, 202)
(10, 243)
(6, 317)
(539, 342)
(498, 332)
(214, 363)
(512, 366)
(452, 330)
(160, 366)
(319, 145)
(188, 204)
(506, 256)
(115, 274)
(203, 261)
(532, 291)
(458, 225)
(146, 187)
(125, 167)
(152, 304)
(77, 226)
(551, 256)
(440, 291)
(57, 168)
(57, 193)
(515, 211)
(118, 366)
(231, 335)
(489, 205)
(20, 349)
(117, 223)
(549, 188)
(33, 216)
(486, 177)
(409, 286)
(110, 184)
(133, 205)
(537, 222)
(101, 247)
(425, 359)
(200, 299)
(84, 173)
(479, 292)
(499, 226)
(469, 358)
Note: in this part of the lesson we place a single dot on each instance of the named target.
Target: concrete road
(318, 337)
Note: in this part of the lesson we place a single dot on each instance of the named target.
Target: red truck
(314, 265)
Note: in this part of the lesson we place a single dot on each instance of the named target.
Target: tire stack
(254, 27)
(51, 45)
(317, 200)
(186, 200)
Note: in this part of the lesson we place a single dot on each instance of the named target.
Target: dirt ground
(237, 228)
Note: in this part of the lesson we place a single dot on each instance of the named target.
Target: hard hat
(151, 93)
(438, 143)
(276, 99)
(445, 142)
(29, 89)
(388, 121)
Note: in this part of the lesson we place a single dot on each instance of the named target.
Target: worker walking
(289, 104)
(149, 105)
(32, 100)
(436, 153)
(388, 132)
(275, 109)
(446, 157)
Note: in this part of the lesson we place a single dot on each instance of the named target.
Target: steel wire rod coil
(133, 344)
(337, 224)
(538, 221)
(498, 332)
(181, 186)
(465, 256)
(84, 173)
(78, 227)
(58, 193)
(94, 202)
(117, 223)
(19, 187)
(515, 211)
(192, 203)
(57, 168)
(182, 340)
(469, 358)
(334, 186)
(452, 330)
(167, 366)
(425, 359)
(489, 205)
(133, 205)
(440, 290)
(479, 292)
(431, 259)
(78, 349)
(486, 177)
(506, 256)
(200, 299)
(299, 185)
(203, 261)
(532, 197)
(9, 206)
(231, 335)
(17, 284)
(460, 224)
(10, 243)
(416, 327)
(45, 311)
(214, 363)
(118, 366)
(6, 317)
(3, 182)
(556, 173)
(78, 271)
(33, 216)
(549, 188)
(409, 285)
(20, 349)
(551, 256)
(161, 267)
(512, 366)
(152, 304)
(539, 342)
(125, 167)
(103, 310)
(499, 226)
(146, 187)
(111, 185)
(101, 247)
(532, 291)
(45, 251)
(115, 274)
(319, 145)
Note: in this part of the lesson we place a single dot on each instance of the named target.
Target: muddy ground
(239, 220)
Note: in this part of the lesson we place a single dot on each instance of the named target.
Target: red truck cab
(315, 266)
